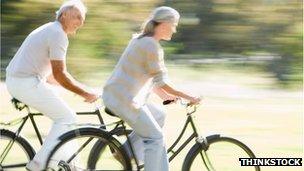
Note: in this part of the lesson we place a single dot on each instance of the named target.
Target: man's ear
(63, 15)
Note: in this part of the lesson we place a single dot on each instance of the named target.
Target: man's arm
(51, 80)
(68, 82)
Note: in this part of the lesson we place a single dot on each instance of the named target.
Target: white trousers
(137, 141)
(147, 136)
(38, 94)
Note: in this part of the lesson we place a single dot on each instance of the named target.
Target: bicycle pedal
(63, 166)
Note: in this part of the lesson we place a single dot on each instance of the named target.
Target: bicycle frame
(186, 142)
(120, 124)
(30, 116)
(189, 120)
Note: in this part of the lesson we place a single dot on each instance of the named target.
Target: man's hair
(71, 4)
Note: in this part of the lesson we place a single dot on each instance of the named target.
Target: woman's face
(165, 30)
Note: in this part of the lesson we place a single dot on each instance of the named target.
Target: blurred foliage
(246, 27)
(208, 29)
(108, 27)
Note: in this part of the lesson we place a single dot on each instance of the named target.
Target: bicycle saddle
(108, 111)
(18, 104)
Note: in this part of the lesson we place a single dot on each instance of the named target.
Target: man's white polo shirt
(46, 43)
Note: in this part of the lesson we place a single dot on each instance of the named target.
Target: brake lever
(188, 106)
(166, 102)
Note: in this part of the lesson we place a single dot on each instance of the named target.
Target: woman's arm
(170, 90)
(163, 94)
(157, 70)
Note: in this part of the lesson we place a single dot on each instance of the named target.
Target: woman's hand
(194, 100)
(170, 90)
(171, 98)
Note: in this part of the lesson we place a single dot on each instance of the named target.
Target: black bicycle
(12, 143)
(102, 149)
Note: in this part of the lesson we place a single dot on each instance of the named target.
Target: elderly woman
(42, 55)
(140, 70)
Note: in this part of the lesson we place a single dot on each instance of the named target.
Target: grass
(237, 103)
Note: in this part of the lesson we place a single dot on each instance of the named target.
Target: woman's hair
(70, 4)
(159, 15)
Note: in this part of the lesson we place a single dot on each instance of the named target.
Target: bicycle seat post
(130, 145)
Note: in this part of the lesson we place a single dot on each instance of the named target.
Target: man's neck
(63, 26)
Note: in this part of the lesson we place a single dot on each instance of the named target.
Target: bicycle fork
(205, 145)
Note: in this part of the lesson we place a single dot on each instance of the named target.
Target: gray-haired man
(41, 60)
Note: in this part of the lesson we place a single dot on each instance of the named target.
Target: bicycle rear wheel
(220, 153)
(98, 148)
(10, 145)
(112, 157)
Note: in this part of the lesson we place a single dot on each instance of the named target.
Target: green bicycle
(102, 149)
(12, 142)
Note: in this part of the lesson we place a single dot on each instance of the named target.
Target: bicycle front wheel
(73, 152)
(10, 145)
(219, 154)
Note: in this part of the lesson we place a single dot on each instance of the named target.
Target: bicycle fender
(82, 131)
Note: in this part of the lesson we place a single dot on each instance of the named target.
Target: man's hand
(90, 97)
(51, 80)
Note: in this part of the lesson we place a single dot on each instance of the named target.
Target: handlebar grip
(166, 102)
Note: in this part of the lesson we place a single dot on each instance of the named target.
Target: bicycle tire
(199, 147)
(23, 143)
(92, 133)
(98, 146)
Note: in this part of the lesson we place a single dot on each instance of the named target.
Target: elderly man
(41, 60)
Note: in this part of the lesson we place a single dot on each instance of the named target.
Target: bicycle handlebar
(166, 102)
(183, 103)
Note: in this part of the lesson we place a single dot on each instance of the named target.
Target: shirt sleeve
(156, 66)
(58, 44)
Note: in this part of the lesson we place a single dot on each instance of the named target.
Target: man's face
(72, 20)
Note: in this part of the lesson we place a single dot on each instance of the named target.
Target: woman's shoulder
(147, 42)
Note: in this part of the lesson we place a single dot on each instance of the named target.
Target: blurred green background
(264, 34)
(244, 56)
